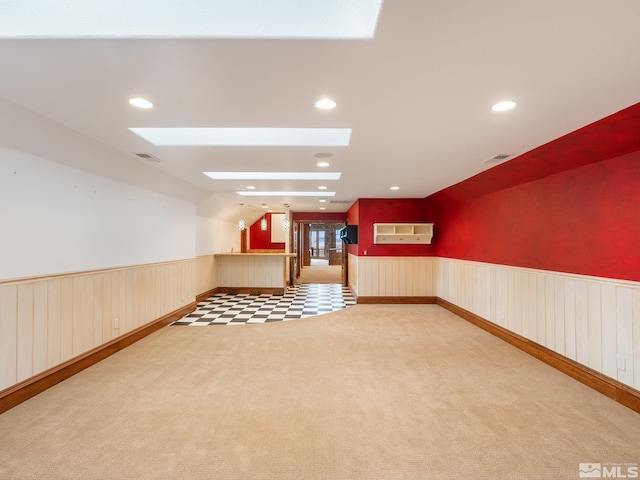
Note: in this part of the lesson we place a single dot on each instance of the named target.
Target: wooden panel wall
(594, 321)
(352, 280)
(206, 278)
(392, 276)
(47, 321)
(251, 271)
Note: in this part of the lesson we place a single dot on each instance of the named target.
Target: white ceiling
(417, 97)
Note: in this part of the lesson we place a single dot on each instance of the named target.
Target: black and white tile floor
(300, 301)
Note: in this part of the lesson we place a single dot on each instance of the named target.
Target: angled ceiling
(417, 97)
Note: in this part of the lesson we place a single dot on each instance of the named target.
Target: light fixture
(326, 104)
(250, 187)
(245, 137)
(241, 221)
(140, 103)
(322, 187)
(394, 188)
(504, 106)
(322, 208)
(322, 200)
(322, 164)
(285, 221)
(263, 223)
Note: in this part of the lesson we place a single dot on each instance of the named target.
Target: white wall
(216, 236)
(58, 219)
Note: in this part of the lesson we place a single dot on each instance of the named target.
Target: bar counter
(253, 272)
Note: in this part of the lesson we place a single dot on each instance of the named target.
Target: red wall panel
(319, 216)
(585, 221)
(572, 205)
(368, 211)
(261, 239)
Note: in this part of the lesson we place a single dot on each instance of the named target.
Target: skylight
(273, 175)
(286, 194)
(317, 19)
(246, 137)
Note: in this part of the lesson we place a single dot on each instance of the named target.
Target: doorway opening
(319, 252)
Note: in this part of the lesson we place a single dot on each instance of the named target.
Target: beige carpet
(370, 392)
(320, 274)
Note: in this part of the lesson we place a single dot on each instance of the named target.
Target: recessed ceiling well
(320, 19)
(273, 175)
(246, 137)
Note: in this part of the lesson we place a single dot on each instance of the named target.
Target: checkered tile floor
(300, 301)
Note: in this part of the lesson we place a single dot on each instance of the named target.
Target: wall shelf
(405, 233)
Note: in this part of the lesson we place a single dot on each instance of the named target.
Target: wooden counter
(253, 272)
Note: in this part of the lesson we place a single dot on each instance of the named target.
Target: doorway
(319, 252)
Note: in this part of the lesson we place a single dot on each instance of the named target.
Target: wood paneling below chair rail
(206, 279)
(23, 391)
(593, 321)
(371, 276)
(613, 389)
(45, 322)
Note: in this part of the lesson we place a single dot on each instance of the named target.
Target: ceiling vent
(497, 159)
(340, 201)
(147, 157)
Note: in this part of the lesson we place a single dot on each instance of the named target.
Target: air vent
(340, 201)
(498, 158)
(147, 157)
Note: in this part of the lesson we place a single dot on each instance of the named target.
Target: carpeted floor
(320, 274)
(369, 392)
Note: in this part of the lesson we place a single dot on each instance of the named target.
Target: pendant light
(241, 221)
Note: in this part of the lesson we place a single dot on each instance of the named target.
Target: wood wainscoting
(47, 324)
(621, 393)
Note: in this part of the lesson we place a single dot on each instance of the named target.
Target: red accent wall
(261, 239)
(582, 215)
(367, 211)
(319, 216)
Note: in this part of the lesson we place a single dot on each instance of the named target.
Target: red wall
(367, 211)
(319, 216)
(585, 221)
(572, 205)
(261, 239)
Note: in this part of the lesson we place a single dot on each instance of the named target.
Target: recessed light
(255, 193)
(264, 205)
(322, 200)
(504, 106)
(246, 137)
(394, 188)
(322, 208)
(322, 187)
(140, 103)
(322, 164)
(273, 175)
(326, 104)
(250, 187)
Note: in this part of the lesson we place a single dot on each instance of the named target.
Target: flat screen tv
(349, 234)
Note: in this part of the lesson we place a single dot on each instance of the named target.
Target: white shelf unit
(385, 233)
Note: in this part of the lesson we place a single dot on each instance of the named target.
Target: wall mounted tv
(349, 234)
